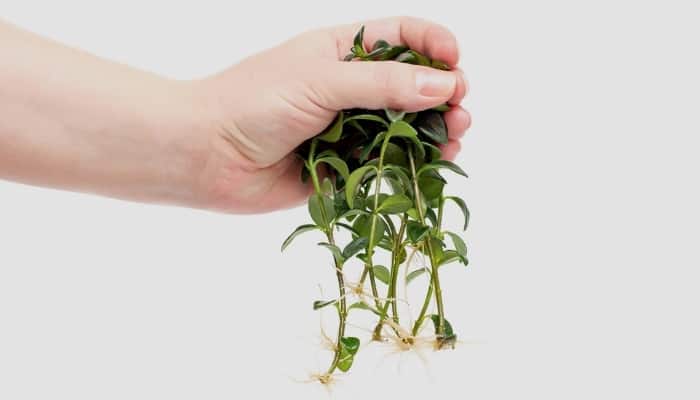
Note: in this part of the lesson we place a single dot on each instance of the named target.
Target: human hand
(257, 112)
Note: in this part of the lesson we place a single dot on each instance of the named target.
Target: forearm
(73, 121)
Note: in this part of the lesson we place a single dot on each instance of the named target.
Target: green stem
(369, 265)
(391, 293)
(342, 310)
(434, 277)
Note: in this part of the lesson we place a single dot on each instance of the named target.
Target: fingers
(450, 150)
(462, 89)
(427, 37)
(458, 121)
(376, 85)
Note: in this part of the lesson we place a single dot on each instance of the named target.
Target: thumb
(386, 84)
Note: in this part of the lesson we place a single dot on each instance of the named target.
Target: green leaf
(441, 108)
(348, 348)
(333, 132)
(447, 329)
(413, 57)
(439, 65)
(434, 152)
(337, 164)
(337, 254)
(401, 129)
(416, 231)
(463, 206)
(362, 306)
(395, 204)
(432, 125)
(327, 188)
(404, 130)
(358, 43)
(354, 180)
(382, 273)
(430, 216)
(400, 174)
(394, 115)
(415, 274)
(460, 246)
(364, 154)
(350, 344)
(367, 117)
(352, 213)
(431, 187)
(380, 44)
(362, 225)
(327, 153)
(442, 164)
(408, 57)
(392, 52)
(437, 246)
(300, 229)
(315, 202)
(347, 227)
(355, 247)
(318, 304)
(451, 255)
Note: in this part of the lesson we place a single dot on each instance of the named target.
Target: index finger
(429, 38)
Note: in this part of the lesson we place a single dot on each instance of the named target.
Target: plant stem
(434, 277)
(342, 310)
(391, 293)
(369, 265)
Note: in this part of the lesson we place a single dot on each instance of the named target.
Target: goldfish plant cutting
(379, 182)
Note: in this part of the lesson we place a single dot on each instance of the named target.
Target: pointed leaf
(432, 125)
(358, 42)
(440, 164)
(354, 180)
(318, 304)
(401, 129)
(463, 206)
(431, 187)
(415, 274)
(300, 229)
(315, 203)
(337, 254)
(337, 164)
(433, 151)
(360, 305)
(460, 246)
(367, 117)
(333, 132)
(364, 154)
(382, 273)
(354, 247)
(404, 130)
(394, 115)
(450, 256)
(416, 231)
(399, 173)
(395, 204)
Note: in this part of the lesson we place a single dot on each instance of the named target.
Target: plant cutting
(380, 193)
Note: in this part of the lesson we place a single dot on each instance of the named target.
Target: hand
(257, 112)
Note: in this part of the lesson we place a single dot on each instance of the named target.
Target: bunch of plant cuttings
(384, 192)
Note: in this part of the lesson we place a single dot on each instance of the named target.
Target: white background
(583, 280)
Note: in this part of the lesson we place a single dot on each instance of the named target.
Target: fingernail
(435, 83)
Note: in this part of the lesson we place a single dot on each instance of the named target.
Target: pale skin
(73, 121)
